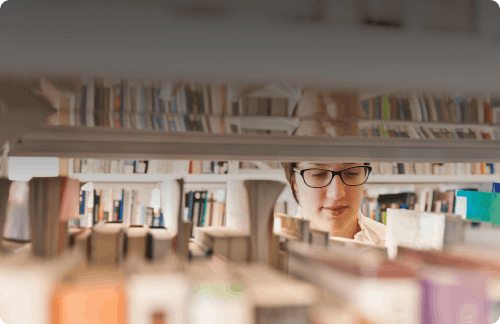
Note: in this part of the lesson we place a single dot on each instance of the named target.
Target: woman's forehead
(332, 165)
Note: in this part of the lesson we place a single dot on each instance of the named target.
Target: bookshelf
(271, 49)
(249, 41)
(278, 176)
(74, 142)
(188, 178)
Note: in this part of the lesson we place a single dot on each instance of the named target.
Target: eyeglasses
(319, 178)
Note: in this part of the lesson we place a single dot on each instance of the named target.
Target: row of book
(424, 200)
(124, 166)
(122, 103)
(469, 202)
(321, 285)
(386, 130)
(205, 208)
(472, 168)
(432, 108)
(426, 255)
(113, 205)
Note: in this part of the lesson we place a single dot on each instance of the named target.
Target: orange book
(394, 108)
(488, 112)
(89, 298)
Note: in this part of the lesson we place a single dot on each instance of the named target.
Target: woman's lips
(335, 210)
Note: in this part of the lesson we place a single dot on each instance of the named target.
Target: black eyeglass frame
(334, 173)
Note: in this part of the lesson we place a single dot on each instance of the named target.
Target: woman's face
(335, 201)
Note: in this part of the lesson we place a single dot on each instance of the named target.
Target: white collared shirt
(372, 232)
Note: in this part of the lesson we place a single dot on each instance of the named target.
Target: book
(230, 243)
(51, 200)
(4, 200)
(478, 206)
(159, 243)
(16, 221)
(107, 244)
(423, 230)
(135, 242)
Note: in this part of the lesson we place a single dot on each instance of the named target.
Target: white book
(90, 97)
(423, 230)
(127, 207)
(153, 166)
(480, 108)
(121, 166)
(214, 124)
(90, 121)
(72, 110)
(114, 166)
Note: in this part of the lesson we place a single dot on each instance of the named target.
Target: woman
(330, 195)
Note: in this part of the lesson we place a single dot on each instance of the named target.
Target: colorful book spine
(386, 109)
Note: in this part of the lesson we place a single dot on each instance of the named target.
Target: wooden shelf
(97, 142)
(188, 178)
(245, 44)
(278, 176)
(403, 178)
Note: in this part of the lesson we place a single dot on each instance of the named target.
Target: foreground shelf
(87, 142)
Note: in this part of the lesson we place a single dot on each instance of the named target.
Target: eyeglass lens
(318, 178)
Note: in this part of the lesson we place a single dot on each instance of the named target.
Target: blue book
(173, 106)
(171, 126)
(496, 187)
(377, 108)
(122, 123)
(365, 106)
(401, 110)
(121, 207)
(156, 100)
(82, 203)
(202, 99)
(162, 220)
(190, 205)
(183, 102)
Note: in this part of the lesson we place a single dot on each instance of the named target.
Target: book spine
(386, 109)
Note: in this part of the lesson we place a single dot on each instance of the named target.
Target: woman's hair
(289, 173)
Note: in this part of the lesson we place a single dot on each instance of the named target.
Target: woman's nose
(336, 189)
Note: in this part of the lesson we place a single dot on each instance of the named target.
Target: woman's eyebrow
(325, 165)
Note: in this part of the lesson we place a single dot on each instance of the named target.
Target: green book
(384, 217)
(386, 109)
(478, 206)
(203, 220)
